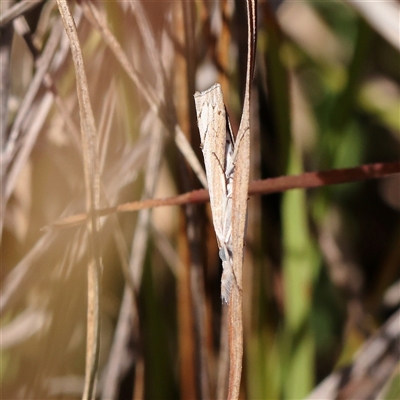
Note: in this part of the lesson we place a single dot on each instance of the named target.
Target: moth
(218, 147)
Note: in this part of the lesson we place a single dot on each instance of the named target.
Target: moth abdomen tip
(225, 300)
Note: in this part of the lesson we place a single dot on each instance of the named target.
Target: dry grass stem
(17, 10)
(92, 185)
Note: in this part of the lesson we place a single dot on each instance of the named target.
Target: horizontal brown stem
(323, 178)
(266, 186)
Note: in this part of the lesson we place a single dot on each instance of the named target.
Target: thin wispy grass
(321, 253)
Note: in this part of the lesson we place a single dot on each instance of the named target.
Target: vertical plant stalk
(185, 83)
(223, 46)
(189, 365)
(194, 216)
(92, 185)
(239, 213)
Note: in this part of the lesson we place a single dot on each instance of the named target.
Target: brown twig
(324, 178)
(307, 180)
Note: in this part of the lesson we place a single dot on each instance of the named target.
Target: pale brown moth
(217, 145)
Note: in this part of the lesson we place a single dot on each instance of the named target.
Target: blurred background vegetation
(320, 264)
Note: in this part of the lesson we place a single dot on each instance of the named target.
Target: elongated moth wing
(211, 119)
(217, 147)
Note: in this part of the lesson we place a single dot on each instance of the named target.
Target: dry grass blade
(223, 358)
(30, 117)
(35, 122)
(383, 16)
(92, 184)
(379, 354)
(5, 56)
(129, 313)
(239, 214)
(168, 252)
(43, 66)
(117, 356)
(139, 244)
(148, 38)
(195, 374)
(17, 10)
(148, 92)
